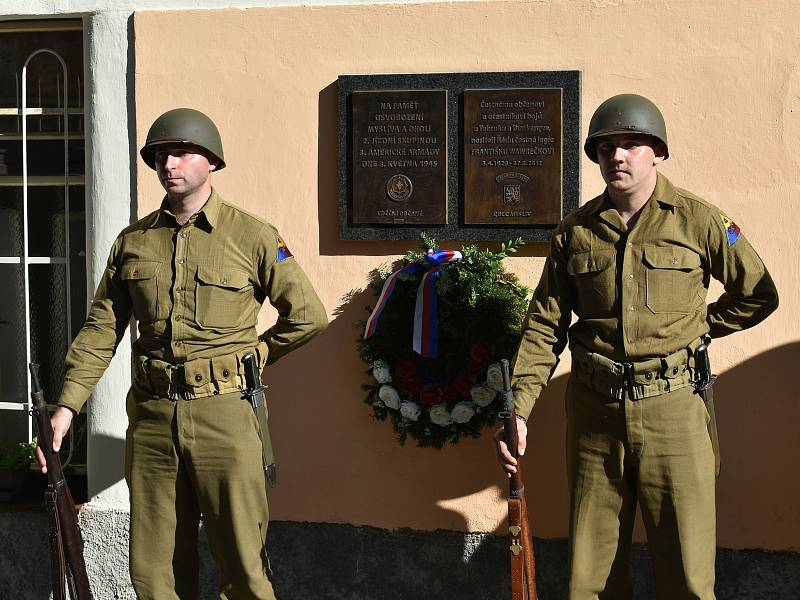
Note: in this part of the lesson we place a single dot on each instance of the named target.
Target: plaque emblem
(512, 193)
(399, 188)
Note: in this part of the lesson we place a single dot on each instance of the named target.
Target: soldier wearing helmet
(634, 265)
(194, 274)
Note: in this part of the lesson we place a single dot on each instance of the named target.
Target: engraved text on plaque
(399, 157)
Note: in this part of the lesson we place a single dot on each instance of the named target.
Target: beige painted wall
(725, 74)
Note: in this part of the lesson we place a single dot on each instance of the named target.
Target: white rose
(410, 410)
(381, 372)
(482, 395)
(494, 377)
(463, 412)
(389, 396)
(440, 415)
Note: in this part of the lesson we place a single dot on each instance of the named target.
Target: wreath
(440, 324)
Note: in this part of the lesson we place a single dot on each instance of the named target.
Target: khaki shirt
(639, 293)
(195, 291)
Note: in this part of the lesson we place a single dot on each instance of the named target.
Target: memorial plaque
(399, 157)
(512, 157)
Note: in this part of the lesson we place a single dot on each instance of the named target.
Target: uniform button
(630, 276)
(178, 318)
(631, 308)
(674, 261)
(675, 370)
(224, 281)
(198, 378)
(225, 372)
(629, 245)
(648, 376)
(179, 290)
(183, 235)
(135, 273)
(216, 392)
(181, 261)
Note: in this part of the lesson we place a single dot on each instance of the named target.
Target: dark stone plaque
(464, 192)
(512, 156)
(399, 157)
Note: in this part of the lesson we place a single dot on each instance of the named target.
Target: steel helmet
(626, 113)
(183, 125)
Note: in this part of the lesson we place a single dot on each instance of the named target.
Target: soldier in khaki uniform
(194, 274)
(634, 265)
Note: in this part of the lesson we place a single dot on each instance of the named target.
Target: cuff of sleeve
(523, 406)
(73, 396)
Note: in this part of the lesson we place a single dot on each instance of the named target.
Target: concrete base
(320, 561)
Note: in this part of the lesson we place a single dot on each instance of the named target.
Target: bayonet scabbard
(704, 385)
(257, 398)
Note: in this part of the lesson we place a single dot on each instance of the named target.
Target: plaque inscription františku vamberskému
(512, 147)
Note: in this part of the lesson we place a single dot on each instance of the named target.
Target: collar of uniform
(665, 192)
(210, 209)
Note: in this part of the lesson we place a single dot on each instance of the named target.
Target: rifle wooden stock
(523, 561)
(68, 568)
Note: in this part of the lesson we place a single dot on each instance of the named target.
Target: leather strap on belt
(637, 380)
(197, 378)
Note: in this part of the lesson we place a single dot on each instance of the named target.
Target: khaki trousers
(654, 452)
(187, 460)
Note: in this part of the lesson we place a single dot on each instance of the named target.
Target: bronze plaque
(399, 157)
(512, 156)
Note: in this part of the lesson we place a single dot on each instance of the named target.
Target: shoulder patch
(283, 250)
(731, 229)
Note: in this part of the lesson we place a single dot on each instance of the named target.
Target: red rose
(479, 353)
(409, 385)
(405, 369)
(430, 394)
(449, 393)
(463, 385)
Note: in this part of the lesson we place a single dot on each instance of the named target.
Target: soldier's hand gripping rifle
(523, 562)
(254, 394)
(67, 567)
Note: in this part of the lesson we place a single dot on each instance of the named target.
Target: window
(42, 210)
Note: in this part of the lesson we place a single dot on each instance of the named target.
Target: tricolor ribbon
(426, 342)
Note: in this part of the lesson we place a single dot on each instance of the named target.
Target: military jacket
(195, 291)
(639, 293)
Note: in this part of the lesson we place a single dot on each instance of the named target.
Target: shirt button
(629, 245)
(630, 276)
(181, 261)
(183, 235)
(632, 308)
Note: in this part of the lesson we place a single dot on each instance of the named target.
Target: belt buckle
(628, 378)
(179, 380)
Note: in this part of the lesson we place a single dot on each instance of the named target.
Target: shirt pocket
(141, 279)
(673, 276)
(594, 277)
(222, 297)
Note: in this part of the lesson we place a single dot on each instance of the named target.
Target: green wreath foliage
(481, 307)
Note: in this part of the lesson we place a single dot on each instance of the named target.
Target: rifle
(523, 561)
(67, 567)
(254, 394)
(704, 385)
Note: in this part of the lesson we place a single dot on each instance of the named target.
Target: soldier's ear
(660, 151)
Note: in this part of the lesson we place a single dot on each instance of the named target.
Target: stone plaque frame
(455, 84)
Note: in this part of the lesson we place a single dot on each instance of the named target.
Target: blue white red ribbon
(426, 331)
